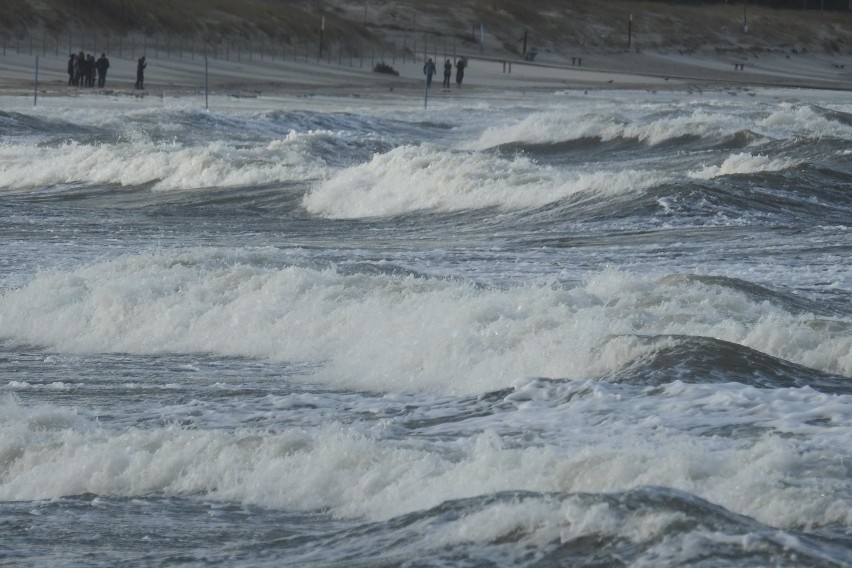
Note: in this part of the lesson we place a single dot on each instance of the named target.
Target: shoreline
(624, 71)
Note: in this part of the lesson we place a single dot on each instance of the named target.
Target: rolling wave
(647, 525)
(21, 124)
(715, 127)
(559, 127)
(429, 178)
(380, 478)
(395, 332)
(168, 166)
(705, 360)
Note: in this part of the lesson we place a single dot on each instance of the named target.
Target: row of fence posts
(207, 70)
(153, 47)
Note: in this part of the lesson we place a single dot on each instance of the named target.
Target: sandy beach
(185, 76)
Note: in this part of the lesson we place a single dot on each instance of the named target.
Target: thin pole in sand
(425, 92)
(35, 84)
(629, 31)
(206, 85)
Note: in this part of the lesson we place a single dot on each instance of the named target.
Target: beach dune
(578, 45)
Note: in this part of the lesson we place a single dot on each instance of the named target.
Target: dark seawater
(611, 329)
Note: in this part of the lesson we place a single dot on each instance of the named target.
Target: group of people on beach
(429, 69)
(82, 68)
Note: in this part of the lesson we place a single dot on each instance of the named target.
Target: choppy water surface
(570, 329)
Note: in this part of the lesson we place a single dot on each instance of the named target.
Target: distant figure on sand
(140, 73)
(102, 65)
(460, 65)
(79, 69)
(72, 66)
(448, 71)
(429, 70)
(90, 70)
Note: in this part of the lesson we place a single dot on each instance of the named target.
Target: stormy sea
(545, 329)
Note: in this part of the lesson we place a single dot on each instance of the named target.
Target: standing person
(79, 69)
(448, 70)
(90, 70)
(72, 65)
(460, 65)
(140, 73)
(429, 70)
(102, 65)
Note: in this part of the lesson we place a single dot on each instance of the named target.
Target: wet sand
(646, 71)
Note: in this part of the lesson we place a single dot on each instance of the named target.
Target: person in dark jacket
(460, 65)
(102, 65)
(72, 66)
(90, 70)
(140, 73)
(80, 69)
(429, 70)
(448, 71)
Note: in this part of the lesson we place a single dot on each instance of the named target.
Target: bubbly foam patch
(350, 474)
(641, 123)
(743, 163)
(566, 125)
(792, 120)
(169, 166)
(395, 333)
(425, 177)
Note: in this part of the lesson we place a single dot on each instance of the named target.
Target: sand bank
(647, 71)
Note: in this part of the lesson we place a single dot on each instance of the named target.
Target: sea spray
(394, 333)
(418, 178)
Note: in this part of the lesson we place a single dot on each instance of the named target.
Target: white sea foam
(169, 166)
(743, 163)
(364, 436)
(390, 333)
(541, 522)
(23, 385)
(426, 177)
(354, 474)
(611, 122)
(566, 125)
(797, 120)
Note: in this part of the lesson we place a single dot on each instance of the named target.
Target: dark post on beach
(629, 30)
(425, 94)
(206, 85)
(35, 84)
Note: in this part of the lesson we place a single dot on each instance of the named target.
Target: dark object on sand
(385, 68)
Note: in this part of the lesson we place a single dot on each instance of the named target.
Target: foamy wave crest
(169, 166)
(374, 332)
(428, 178)
(803, 121)
(743, 163)
(46, 452)
(391, 333)
(553, 127)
